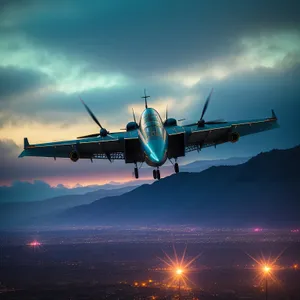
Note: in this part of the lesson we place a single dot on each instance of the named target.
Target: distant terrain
(263, 191)
(25, 213)
(39, 190)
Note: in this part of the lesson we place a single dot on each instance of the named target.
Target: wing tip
(22, 154)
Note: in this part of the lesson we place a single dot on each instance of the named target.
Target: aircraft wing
(108, 147)
(211, 135)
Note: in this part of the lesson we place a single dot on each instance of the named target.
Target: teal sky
(108, 51)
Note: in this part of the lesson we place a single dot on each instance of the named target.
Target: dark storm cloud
(105, 103)
(144, 41)
(148, 36)
(15, 81)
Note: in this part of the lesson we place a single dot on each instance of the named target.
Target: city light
(34, 244)
(266, 269)
(178, 269)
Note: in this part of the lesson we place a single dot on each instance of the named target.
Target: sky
(107, 52)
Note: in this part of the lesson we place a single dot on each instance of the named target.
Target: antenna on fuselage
(145, 97)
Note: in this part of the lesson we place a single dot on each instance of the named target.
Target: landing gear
(176, 168)
(156, 174)
(136, 172)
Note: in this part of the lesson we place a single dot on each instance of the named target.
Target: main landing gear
(136, 172)
(156, 174)
(175, 165)
(176, 168)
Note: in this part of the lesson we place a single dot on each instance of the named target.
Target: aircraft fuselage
(153, 137)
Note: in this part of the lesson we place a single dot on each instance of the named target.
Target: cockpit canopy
(150, 117)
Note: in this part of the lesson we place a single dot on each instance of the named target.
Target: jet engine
(74, 155)
(132, 126)
(233, 137)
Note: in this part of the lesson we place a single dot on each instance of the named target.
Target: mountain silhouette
(263, 191)
(24, 213)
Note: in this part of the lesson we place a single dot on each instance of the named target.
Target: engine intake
(74, 155)
(233, 137)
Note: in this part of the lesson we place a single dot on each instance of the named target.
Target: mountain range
(38, 190)
(263, 191)
(25, 213)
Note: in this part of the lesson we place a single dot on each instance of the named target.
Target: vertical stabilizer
(274, 115)
(26, 143)
(145, 97)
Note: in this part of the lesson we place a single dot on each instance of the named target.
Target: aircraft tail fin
(26, 143)
(145, 97)
(274, 115)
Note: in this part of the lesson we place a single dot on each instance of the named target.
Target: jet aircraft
(151, 140)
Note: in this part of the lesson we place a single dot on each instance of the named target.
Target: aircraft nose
(157, 151)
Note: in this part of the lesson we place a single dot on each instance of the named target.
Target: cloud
(277, 51)
(136, 37)
(14, 82)
(107, 52)
(66, 75)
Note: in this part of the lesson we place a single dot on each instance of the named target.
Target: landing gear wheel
(136, 172)
(176, 168)
(158, 174)
(154, 174)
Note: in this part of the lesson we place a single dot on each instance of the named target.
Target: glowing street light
(179, 268)
(267, 266)
(179, 271)
(267, 270)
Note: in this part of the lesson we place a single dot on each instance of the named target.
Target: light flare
(179, 271)
(266, 267)
(34, 244)
(178, 268)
